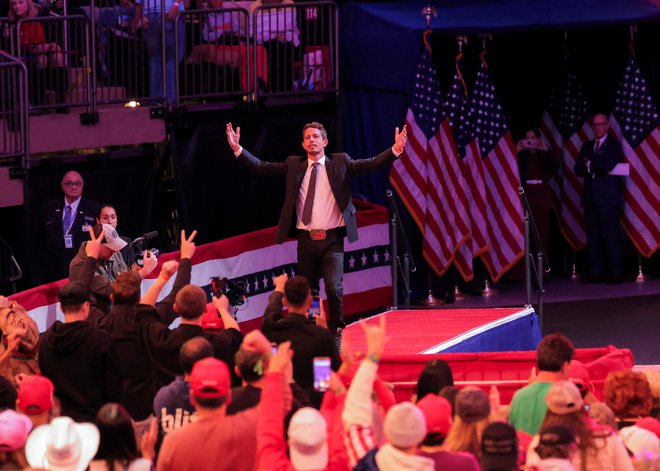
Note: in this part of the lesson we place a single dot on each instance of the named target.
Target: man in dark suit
(602, 198)
(318, 209)
(66, 227)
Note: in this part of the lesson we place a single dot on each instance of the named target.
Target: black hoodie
(82, 363)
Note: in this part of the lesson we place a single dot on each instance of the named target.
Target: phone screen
(315, 308)
(321, 373)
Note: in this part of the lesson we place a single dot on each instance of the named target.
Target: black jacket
(163, 345)
(307, 340)
(340, 167)
(600, 188)
(82, 363)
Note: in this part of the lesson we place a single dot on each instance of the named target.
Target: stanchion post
(394, 262)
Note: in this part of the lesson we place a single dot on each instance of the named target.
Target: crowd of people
(120, 390)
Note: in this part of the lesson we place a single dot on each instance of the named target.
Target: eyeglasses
(600, 124)
(72, 183)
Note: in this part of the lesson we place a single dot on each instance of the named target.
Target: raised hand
(233, 137)
(169, 268)
(187, 245)
(376, 337)
(400, 139)
(93, 247)
(282, 358)
(322, 318)
(279, 282)
(256, 341)
(221, 303)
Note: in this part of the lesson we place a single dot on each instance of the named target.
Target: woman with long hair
(472, 418)
(598, 447)
(118, 449)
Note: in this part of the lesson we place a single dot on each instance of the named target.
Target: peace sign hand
(187, 245)
(93, 247)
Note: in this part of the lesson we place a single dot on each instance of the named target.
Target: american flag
(565, 127)
(636, 123)
(428, 177)
(456, 110)
(501, 179)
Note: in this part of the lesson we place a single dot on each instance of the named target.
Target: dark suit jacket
(340, 168)
(600, 189)
(56, 257)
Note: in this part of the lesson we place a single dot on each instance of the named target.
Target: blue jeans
(153, 38)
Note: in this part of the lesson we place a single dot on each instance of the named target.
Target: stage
(453, 331)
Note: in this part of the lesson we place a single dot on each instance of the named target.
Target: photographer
(537, 165)
(109, 265)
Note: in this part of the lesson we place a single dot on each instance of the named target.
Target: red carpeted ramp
(454, 330)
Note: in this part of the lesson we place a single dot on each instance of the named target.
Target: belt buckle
(317, 234)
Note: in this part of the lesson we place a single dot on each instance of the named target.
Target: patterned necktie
(309, 200)
(66, 222)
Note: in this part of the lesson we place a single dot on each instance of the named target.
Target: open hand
(233, 137)
(376, 337)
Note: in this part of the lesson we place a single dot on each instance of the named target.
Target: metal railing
(107, 55)
(14, 132)
(301, 47)
(217, 58)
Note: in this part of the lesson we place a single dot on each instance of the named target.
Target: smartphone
(315, 308)
(321, 373)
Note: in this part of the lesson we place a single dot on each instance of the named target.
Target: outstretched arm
(363, 166)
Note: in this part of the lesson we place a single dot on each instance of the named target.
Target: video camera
(138, 249)
(234, 290)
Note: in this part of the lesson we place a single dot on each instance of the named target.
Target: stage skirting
(255, 259)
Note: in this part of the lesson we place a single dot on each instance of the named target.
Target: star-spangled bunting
(501, 179)
(427, 177)
(565, 128)
(636, 123)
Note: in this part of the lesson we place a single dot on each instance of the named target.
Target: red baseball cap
(578, 374)
(210, 378)
(35, 395)
(437, 411)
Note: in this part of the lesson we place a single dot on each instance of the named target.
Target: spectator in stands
(405, 425)
(109, 265)
(66, 224)
(628, 394)
(599, 448)
(14, 431)
(499, 448)
(18, 354)
(156, 39)
(62, 445)
(108, 215)
(218, 29)
(556, 448)
(118, 446)
(78, 358)
(472, 418)
(313, 443)
(138, 388)
(36, 399)
(215, 441)
(308, 340)
(435, 376)
(277, 30)
(163, 345)
(172, 406)
(438, 413)
(553, 356)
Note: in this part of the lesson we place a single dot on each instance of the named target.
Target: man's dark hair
(553, 351)
(247, 364)
(190, 302)
(126, 288)
(318, 126)
(192, 351)
(296, 291)
(211, 402)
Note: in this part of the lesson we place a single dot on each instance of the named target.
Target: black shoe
(592, 279)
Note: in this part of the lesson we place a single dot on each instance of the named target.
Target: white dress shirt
(325, 212)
